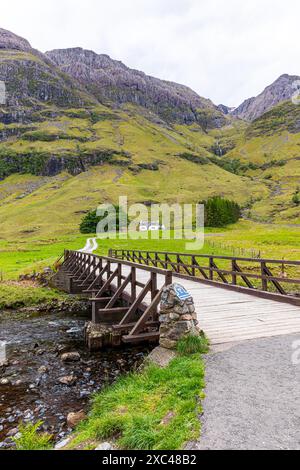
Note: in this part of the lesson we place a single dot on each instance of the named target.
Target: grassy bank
(14, 295)
(152, 409)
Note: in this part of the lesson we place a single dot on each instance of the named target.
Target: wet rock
(4, 381)
(70, 357)
(105, 446)
(68, 380)
(43, 370)
(60, 445)
(18, 383)
(75, 418)
(12, 432)
(74, 330)
(40, 352)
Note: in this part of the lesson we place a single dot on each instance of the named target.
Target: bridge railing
(260, 275)
(109, 281)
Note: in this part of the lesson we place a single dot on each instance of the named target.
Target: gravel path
(253, 397)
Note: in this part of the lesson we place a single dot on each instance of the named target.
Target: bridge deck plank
(228, 316)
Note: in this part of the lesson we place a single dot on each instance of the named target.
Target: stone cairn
(178, 316)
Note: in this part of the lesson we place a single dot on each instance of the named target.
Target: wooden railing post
(133, 284)
(211, 268)
(194, 264)
(264, 282)
(178, 263)
(119, 274)
(234, 269)
(153, 285)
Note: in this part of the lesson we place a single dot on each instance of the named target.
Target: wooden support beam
(109, 311)
(107, 284)
(129, 326)
(134, 307)
(152, 337)
(141, 323)
(119, 292)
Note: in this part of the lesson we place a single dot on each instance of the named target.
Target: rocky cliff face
(78, 78)
(281, 90)
(31, 81)
(11, 41)
(111, 80)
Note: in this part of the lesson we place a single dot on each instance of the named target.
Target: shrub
(296, 197)
(91, 220)
(220, 212)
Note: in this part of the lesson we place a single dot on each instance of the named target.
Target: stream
(30, 387)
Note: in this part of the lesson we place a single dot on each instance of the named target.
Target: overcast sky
(226, 50)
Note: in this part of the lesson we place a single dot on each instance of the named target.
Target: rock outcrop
(111, 80)
(281, 90)
(10, 40)
(32, 81)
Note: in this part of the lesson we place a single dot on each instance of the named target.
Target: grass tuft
(31, 439)
(193, 344)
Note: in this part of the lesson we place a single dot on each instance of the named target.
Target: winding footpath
(252, 396)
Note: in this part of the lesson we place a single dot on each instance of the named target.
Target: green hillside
(75, 135)
(269, 149)
(104, 154)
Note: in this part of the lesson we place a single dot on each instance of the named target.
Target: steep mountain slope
(281, 90)
(110, 80)
(269, 151)
(32, 83)
(78, 129)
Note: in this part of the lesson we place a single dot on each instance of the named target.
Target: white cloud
(225, 50)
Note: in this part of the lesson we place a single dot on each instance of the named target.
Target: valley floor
(19, 255)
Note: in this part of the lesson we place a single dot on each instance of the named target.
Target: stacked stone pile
(178, 316)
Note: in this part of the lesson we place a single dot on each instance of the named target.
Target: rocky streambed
(41, 381)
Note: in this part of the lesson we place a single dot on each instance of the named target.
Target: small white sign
(181, 292)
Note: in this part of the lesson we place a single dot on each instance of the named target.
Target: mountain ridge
(280, 90)
(79, 128)
(111, 80)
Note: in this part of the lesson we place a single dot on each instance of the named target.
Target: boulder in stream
(70, 357)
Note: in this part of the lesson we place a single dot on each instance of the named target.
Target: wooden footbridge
(235, 298)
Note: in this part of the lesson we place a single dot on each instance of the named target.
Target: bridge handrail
(236, 272)
(111, 259)
(198, 255)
